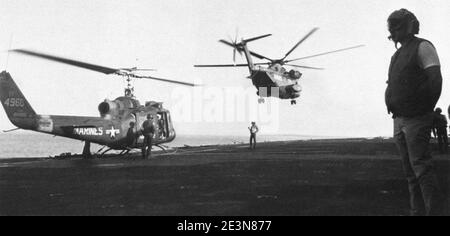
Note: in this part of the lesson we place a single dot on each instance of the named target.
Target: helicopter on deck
(111, 129)
(274, 80)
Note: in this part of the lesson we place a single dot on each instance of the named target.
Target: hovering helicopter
(109, 129)
(273, 80)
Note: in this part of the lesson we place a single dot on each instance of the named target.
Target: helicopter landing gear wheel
(260, 100)
(293, 102)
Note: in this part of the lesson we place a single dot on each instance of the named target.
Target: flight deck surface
(317, 177)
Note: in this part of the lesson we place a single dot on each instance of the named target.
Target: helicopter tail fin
(19, 111)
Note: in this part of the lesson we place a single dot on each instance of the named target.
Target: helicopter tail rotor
(235, 42)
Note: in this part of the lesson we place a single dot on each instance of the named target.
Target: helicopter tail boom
(19, 111)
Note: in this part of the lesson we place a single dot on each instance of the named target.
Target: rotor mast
(129, 90)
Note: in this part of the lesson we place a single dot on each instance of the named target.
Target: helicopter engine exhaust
(107, 107)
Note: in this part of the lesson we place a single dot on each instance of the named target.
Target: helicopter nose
(297, 88)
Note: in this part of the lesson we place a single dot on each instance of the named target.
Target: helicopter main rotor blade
(324, 53)
(165, 80)
(136, 69)
(301, 41)
(222, 65)
(262, 63)
(102, 69)
(306, 67)
(259, 56)
(146, 69)
(258, 37)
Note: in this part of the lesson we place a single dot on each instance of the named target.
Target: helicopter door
(136, 122)
(163, 130)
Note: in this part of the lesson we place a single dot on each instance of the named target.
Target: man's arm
(435, 82)
(429, 61)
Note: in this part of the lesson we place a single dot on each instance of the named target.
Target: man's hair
(404, 19)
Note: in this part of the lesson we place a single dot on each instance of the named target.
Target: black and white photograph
(255, 109)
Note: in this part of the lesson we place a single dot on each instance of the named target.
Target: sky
(346, 99)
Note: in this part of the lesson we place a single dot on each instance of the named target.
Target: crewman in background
(440, 130)
(253, 130)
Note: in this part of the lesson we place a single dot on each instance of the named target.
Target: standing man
(161, 128)
(253, 130)
(148, 129)
(440, 130)
(131, 138)
(414, 87)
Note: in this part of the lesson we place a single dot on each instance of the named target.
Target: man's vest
(148, 127)
(408, 93)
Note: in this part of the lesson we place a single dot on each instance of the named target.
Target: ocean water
(33, 144)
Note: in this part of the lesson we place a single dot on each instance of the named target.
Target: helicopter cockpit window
(125, 102)
(135, 103)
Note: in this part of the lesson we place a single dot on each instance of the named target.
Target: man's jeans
(253, 140)
(412, 136)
